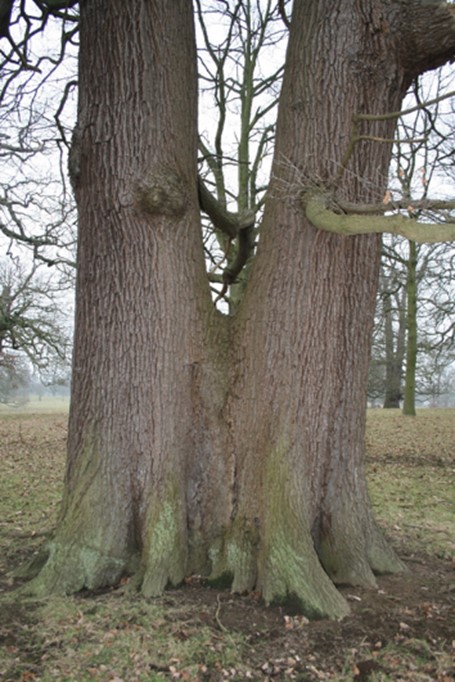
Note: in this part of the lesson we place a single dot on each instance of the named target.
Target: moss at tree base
(165, 549)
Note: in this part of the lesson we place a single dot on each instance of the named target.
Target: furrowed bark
(142, 301)
(303, 331)
(228, 447)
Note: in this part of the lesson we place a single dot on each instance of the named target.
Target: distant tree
(436, 376)
(414, 275)
(389, 336)
(14, 378)
(32, 325)
(417, 296)
(37, 212)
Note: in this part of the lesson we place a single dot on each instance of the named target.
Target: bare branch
(403, 112)
(6, 7)
(323, 218)
(226, 221)
(283, 14)
(402, 205)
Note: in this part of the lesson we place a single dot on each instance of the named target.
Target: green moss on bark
(73, 567)
(352, 548)
(92, 546)
(275, 553)
(235, 557)
(163, 193)
(289, 569)
(165, 548)
(223, 581)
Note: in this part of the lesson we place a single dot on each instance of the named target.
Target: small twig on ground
(217, 615)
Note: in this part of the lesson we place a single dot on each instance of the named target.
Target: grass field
(402, 631)
(36, 405)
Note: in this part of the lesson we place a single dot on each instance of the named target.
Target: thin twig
(217, 615)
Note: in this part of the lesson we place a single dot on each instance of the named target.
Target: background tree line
(413, 342)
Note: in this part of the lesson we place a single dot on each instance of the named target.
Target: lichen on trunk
(289, 568)
(273, 552)
(164, 554)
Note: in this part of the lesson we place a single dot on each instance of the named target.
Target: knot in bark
(164, 192)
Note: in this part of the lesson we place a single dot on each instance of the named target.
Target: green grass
(411, 476)
(118, 637)
(418, 506)
(36, 405)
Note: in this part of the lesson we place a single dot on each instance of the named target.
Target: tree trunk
(143, 308)
(230, 447)
(409, 407)
(303, 333)
(395, 343)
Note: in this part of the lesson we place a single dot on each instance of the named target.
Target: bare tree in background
(240, 77)
(415, 286)
(36, 205)
(34, 331)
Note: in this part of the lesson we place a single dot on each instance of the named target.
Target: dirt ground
(402, 631)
